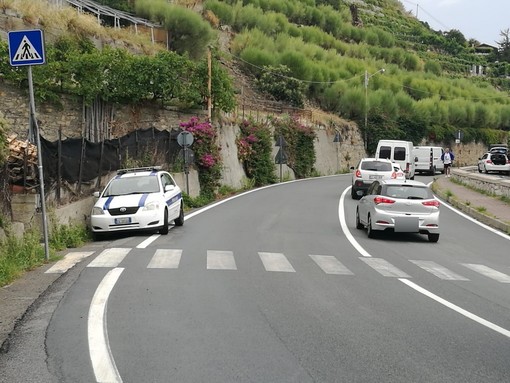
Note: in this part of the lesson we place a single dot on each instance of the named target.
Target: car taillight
(378, 200)
(489, 161)
(394, 175)
(433, 202)
(408, 165)
(358, 173)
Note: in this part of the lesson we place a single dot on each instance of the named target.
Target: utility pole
(209, 84)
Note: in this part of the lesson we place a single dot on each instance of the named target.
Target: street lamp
(367, 77)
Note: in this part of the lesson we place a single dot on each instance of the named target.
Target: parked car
(494, 162)
(498, 148)
(137, 199)
(399, 206)
(367, 171)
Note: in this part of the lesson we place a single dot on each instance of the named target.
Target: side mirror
(96, 194)
(169, 188)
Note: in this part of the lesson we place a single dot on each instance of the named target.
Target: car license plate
(122, 221)
(374, 177)
(406, 224)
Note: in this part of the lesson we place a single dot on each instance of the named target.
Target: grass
(21, 254)
(62, 20)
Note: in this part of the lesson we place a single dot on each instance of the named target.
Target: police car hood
(129, 200)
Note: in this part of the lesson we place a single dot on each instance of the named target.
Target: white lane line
(100, 353)
(427, 293)
(165, 259)
(276, 262)
(439, 271)
(383, 267)
(69, 260)
(220, 260)
(148, 241)
(331, 265)
(204, 209)
(345, 228)
(488, 272)
(456, 308)
(462, 214)
(110, 257)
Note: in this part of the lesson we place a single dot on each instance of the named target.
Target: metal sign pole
(39, 162)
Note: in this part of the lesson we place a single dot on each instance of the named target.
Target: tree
(504, 46)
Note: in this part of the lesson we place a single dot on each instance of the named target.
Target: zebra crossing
(276, 263)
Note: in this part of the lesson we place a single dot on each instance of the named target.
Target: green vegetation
(21, 254)
(298, 145)
(254, 150)
(427, 90)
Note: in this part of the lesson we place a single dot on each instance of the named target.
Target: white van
(429, 159)
(400, 152)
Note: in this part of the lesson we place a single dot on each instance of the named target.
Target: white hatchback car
(367, 171)
(496, 162)
(138, 199)
(399, 206)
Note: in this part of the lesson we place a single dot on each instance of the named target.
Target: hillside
(329, 56)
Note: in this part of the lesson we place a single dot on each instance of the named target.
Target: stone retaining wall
(491, 185)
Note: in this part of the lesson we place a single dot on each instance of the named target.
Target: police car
(138, 199)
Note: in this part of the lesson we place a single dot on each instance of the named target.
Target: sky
(482, 20)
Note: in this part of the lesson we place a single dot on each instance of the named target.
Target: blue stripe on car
(141, 203)
(107, 203)
(174, 199)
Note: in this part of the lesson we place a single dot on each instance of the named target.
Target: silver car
(399, 206)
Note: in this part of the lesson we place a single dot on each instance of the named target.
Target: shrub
(254, 150)
(299, 146)
(207, 154)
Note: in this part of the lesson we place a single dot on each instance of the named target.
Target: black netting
(82, 160)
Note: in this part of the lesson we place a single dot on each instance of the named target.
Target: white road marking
(276, 262)
(148, 241)
(220, 260)
(439, 271)
(331, 265)
(165, 259)
(456, 308)
(100, 353)
(385, 268)
(109, 257)
(487, 227)
(345, 228)
(488, 272)
(414, 286)
(69, 260)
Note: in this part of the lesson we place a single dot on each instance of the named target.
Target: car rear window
(376, 166)
(408, 192)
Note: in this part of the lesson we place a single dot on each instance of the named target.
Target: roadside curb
(470, 211)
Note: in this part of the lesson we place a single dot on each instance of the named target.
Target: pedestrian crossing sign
(26, 47)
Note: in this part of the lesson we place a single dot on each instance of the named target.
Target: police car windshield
(132, 185)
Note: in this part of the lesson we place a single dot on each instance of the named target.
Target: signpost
(281, 157)
(26, 48)
(185, 140)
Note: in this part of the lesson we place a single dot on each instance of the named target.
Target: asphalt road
(277, 285)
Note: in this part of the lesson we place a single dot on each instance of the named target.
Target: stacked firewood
(22, 163)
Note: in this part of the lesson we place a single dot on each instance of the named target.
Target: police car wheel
(164, 228)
